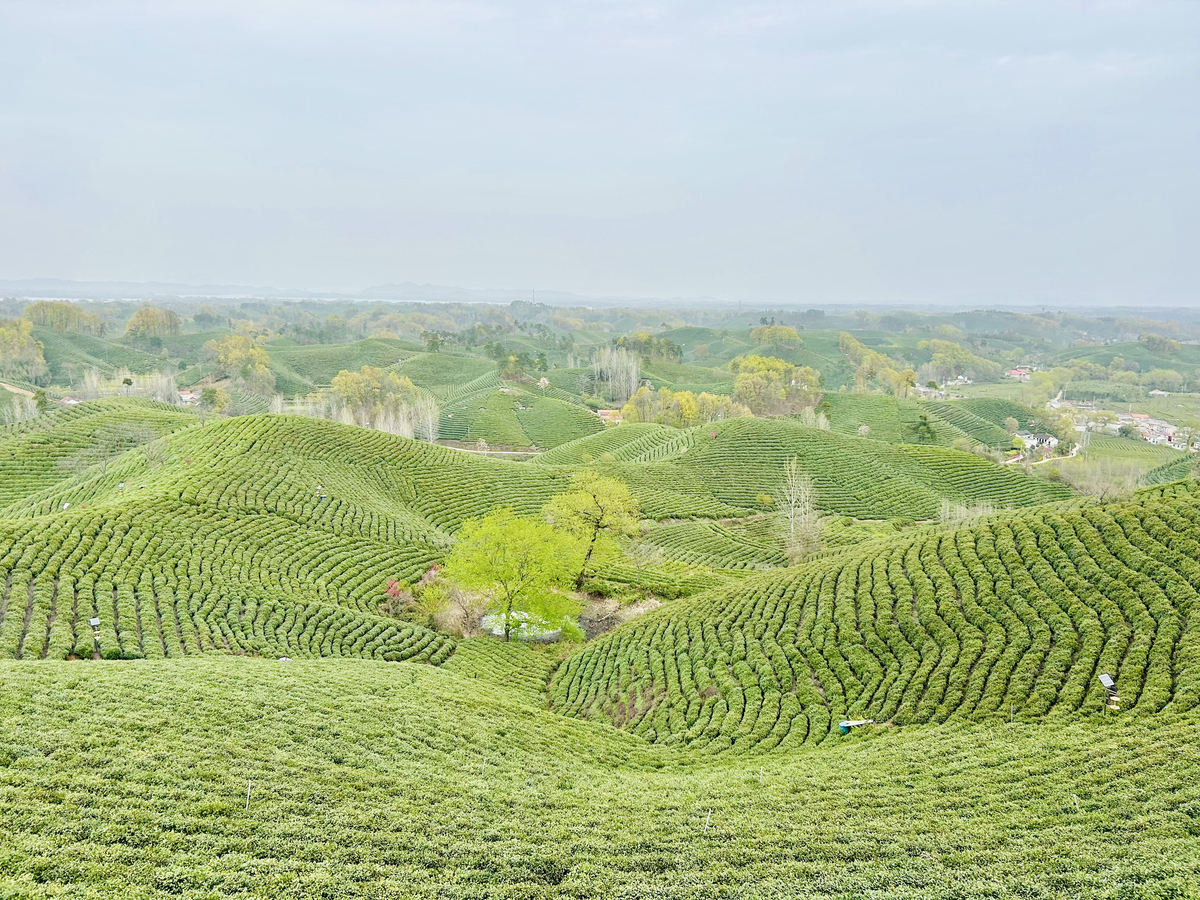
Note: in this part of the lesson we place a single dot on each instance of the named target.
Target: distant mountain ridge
(408, 291)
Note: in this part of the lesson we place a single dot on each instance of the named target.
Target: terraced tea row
(41, 451)
(738, 460)
(371, 780)
(175, 579)
(513, 417)
(1012, 617)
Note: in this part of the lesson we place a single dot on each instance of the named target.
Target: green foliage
(732, 462)
(770, 386)
(511, 416)
(20, 353)
(948, 361)
(70, 355)
(63, 317)
(648, 346)
(595, 506)
(243, 359)
(778, 337)
(680, 409)
(442, 373)
(522, 564)
(316, 366)
(149, 322)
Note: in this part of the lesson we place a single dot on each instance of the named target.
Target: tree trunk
(586, 559)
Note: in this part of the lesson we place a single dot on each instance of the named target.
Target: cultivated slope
(1012, 617)
(735, 461)
(233, 778)
(47, 449)
(277, 535)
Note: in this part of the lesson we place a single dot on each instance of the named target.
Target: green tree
(241, 358)
(521, 564)
(770, 386)
(924, 430)
(596, 506)
(63, 317)
(149, 322)
(778, 337)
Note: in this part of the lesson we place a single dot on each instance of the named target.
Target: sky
(835, 151)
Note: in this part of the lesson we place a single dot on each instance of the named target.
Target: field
(276, 535)
(692, 752)
(1011, 618)
(69, 356)
(339, 778)
(300, 369)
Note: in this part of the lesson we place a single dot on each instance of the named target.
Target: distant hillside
(734, 461)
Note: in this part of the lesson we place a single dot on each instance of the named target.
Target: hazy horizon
(832, 153)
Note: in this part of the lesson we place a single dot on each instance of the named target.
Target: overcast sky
(845, 151)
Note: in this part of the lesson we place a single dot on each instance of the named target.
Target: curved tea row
(1013, 617)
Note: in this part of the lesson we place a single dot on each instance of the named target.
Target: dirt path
(13, 389)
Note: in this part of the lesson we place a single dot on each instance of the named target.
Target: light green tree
(596, 507)
(522, 565)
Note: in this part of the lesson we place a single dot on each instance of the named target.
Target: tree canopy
(521, 564)
(149, 322)
(241, 358)
(596, 506)
(63, 316)
(771, 386)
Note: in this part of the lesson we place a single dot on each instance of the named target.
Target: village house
(1034, 441)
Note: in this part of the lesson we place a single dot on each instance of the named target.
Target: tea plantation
(692, 752)
(1013, 618)
(218, 777)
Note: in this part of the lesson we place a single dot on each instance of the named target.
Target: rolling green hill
(513, 416)
(47, 449)
(69, 355)
(734, 461)
(692, 752)
(277, 534)
(300, 369)
(1187, 356)
(1012, 617)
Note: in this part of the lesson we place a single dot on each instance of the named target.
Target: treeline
(20, 353)
(681, 409)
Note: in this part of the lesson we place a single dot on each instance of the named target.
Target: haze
(783, 152)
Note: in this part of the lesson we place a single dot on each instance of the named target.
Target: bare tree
(1105, 480)
(801, 526)
(617, 369)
